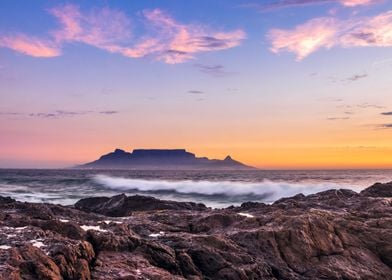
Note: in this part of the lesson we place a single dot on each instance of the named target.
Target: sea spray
(265, 190)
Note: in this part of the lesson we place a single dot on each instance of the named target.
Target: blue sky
(263, 80)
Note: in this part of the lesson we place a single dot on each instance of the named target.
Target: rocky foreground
(336, 234)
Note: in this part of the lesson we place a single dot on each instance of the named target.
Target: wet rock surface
(122, 205)
(336, 234)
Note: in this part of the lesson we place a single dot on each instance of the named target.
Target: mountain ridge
(179, 159)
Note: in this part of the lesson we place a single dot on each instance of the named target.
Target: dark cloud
(282, 4)
(57, 114)
(350, 79)
(337, 118)
(10, 114)
(44, 115)
(367, 37)
(195, 91)
(108, 112)
(386, 113)
(386, 125)
(216, 70)
(368, 105)
(210, 42)
(347, 80)
(176, 52)
(356, 77)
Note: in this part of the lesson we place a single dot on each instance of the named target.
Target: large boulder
(122, 205)
(378, 190)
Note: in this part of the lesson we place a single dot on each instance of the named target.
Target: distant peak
(165, 159)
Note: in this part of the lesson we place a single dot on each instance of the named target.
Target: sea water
(216, 189)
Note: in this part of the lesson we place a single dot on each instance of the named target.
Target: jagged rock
(122, 205)
(378, 190)
(336, 234)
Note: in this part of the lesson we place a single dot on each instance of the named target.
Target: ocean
(217, 189)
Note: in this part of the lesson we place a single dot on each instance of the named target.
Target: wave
(265, 190)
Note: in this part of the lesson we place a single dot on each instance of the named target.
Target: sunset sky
(276, 84)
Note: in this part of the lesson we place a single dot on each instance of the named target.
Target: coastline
(217, 189)
(333, 234)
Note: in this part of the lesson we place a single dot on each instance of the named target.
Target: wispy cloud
(386, 113)
(368, 105)
(108, 112)
(357, 77)
(386, 125)
(102, 28)
(165, 38)
(282, 4)
(10, 114)
(174, 42)
(353, 3)
(195, 91)
(350, 79)
(29, 45)
(337, 118)
(57, 114)
(216, 70)
(328, 32)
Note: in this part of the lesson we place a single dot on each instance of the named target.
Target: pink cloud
(103, 28)
(174, 42)
(306, 38)
(329, 32)
(353, 3)
(165, 39)
(30, 45)
(282, 4)
(375, 31)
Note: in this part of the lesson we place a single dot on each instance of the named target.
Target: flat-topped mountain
(161, 159)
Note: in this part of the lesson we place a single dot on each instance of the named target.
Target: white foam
(156, 235)
(37, 243)
(246, 215)
(108, 222)
(269, 189)
(20, 228)
(96, 228)
(5, 247)
(64, 220)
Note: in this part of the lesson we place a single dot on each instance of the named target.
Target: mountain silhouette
(161, 159)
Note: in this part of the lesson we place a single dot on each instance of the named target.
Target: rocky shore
(336, 234)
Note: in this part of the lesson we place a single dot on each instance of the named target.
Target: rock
(122, 205)
(4, 200)
(28, 262)
(378, 190)
(335, 234)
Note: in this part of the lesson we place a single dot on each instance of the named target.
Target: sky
(280, 84)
